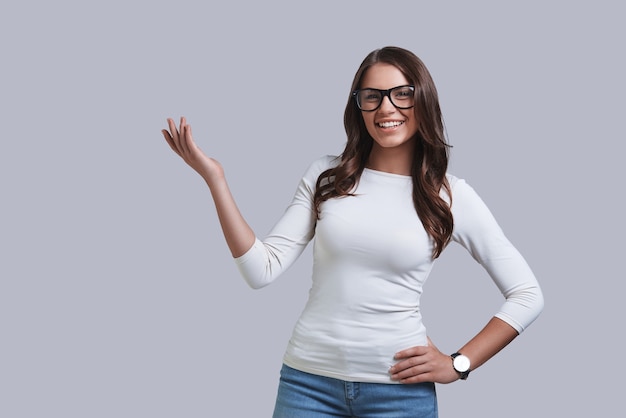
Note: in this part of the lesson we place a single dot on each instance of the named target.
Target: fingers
(410, 352)
(404, 368)
(409, 363)
(411, 370)
(186, 140)
(421, 364)
(173, 129)
(170, 141)
(412, 362)
(167, 136)
(179, 138)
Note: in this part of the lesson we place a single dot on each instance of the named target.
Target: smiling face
(392, 129)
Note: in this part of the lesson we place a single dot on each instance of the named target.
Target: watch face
(461, 363)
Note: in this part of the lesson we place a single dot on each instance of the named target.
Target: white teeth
(390, 124)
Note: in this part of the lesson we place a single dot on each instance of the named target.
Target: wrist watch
(461, 365)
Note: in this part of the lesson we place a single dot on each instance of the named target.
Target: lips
(389, 124)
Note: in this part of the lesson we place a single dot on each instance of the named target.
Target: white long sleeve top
(371, 259)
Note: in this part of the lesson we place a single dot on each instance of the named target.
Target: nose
(386, 105)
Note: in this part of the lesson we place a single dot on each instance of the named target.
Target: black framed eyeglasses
(368, 100)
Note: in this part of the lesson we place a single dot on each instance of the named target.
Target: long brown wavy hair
(430, 160)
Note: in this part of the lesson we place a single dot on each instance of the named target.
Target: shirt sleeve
(269, 258)
(476, 229)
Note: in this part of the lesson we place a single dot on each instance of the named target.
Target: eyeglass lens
(370, 99)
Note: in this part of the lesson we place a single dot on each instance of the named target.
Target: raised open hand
(181, 141)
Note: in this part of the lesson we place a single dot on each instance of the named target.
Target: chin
(392, 143)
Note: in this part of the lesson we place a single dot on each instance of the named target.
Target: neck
(397, 160)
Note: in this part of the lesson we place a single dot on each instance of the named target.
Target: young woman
(381, 213)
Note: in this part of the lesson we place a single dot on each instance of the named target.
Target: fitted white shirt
(371, 259)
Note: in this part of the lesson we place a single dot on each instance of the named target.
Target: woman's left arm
(476, 229)
(428, 364)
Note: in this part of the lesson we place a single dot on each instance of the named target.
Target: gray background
(118, 297)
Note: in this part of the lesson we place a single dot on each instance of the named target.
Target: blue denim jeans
(304, 395)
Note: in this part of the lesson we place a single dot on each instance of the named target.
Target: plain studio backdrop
(118, 296)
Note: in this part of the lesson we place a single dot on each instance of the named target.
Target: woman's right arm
(238, 234)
